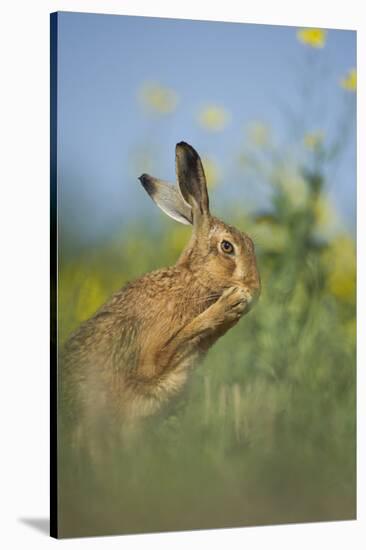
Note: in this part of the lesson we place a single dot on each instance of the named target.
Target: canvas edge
(53, 277)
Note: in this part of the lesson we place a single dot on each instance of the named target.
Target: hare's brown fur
(135, 354)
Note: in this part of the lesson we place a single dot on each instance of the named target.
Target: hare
(136, 353)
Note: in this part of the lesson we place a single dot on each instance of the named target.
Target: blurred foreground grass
(265, 433)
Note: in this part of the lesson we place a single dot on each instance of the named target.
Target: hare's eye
(227, 247)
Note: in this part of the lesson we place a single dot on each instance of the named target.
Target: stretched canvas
(203, 271)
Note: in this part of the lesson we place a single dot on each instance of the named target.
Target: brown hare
(137, 351)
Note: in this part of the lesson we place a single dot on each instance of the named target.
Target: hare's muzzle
(253, 290)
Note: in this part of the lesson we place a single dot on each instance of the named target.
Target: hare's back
(110, 338)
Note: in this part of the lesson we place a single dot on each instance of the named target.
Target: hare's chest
(174, 380)
(157, 395)
(147, 403)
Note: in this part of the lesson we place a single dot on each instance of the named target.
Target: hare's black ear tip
(184, 146)
(147, 182)
(143, 179)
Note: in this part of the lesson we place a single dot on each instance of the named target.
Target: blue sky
(256, 72)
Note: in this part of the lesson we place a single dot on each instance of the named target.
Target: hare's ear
(192, 181)
(168, 198)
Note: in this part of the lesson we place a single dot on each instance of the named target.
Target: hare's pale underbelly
(146, 400)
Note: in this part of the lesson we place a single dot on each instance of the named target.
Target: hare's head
(223, 255)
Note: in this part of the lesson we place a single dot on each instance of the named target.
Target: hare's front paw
(232, 303)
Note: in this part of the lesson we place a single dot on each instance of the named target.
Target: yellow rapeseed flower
(289, 180)
(325, 213)
(312, 37)
(314, 140)
(295, 188)
(341, 260)
(158, 99)
(91, 295)
(258, 134)
(214, 118)
(349, 82)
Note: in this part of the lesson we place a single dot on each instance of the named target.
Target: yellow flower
(296, 190)
(312, 37)
(258, 134)
(91, 295)
(291, 183)
(314, 140)
(211, 171)
(349, 82)
(326, 216)
(341, 261)
(157, 98)
(214, 118)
